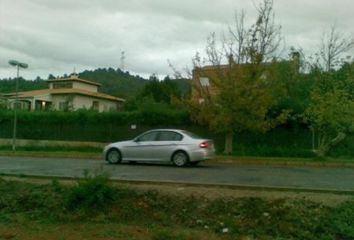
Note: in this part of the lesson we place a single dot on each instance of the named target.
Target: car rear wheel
(180, 159)
(114, 156)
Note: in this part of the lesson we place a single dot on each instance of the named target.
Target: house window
(201, 100)
(18, 105)
(63, 106)
(63, 85)
(264, 76)
(204, 81)
(95, 105)
(42, 105)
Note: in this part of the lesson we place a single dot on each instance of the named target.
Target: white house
(66, 94)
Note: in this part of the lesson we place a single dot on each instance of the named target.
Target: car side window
(151, 136)
(169, 136)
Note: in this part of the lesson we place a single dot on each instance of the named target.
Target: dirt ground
(214, 192)
(326, 198)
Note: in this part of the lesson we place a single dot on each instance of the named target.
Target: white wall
(80, 85)
(86, 102)
(85, 86)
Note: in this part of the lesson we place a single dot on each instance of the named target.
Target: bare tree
(333, 45)
(241, 43)
(176, 73)
(258, 42)
(266, 36)
(238, 37)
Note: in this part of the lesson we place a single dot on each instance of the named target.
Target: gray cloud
(56, 36)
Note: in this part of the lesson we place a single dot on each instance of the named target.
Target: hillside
(9, 85)
(114, 82)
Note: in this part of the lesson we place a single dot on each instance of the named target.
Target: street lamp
(18, 65)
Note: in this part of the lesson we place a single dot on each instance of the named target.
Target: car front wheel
(180, 159)
(114, 156)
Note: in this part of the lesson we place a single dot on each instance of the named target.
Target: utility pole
(122, 60)
(18, 65)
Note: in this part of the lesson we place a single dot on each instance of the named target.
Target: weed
(168, 234)
(56, 186)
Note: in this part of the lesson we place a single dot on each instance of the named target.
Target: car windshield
(192, 135)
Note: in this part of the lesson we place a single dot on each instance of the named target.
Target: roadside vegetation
(92, 208)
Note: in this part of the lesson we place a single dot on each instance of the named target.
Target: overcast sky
(56, 36)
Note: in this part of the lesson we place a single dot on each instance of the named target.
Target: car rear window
(192, 135)
(169, 136)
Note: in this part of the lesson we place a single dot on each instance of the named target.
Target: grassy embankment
(93, 208)
(53, 151)
(96, 153)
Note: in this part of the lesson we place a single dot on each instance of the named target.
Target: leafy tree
(331, 110)
(297, 85)
(157, 94)
(8, 85)
(160, 91)
(238, 96)
(51, 76)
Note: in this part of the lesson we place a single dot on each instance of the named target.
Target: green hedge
(88, 125)
(284, 141)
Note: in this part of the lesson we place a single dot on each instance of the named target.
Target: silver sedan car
(161, 145)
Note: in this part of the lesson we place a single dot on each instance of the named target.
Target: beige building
(67, 94)
(206, 79)
(2, 101)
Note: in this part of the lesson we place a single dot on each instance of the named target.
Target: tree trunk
(228, 143)
(326, 145)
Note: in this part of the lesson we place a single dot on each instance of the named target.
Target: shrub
(343, 221)
(38, 200)
(91, 193)
(344, 148)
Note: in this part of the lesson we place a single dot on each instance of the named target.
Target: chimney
(295, 57)
(231, 59)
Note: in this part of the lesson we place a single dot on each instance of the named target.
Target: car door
(140, 149)
(166, 143)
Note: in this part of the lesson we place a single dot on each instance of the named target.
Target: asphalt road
(319, 178)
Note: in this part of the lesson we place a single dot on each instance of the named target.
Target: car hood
(121, 143)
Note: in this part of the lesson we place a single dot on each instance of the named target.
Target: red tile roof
(59, 91)
(73, 79)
